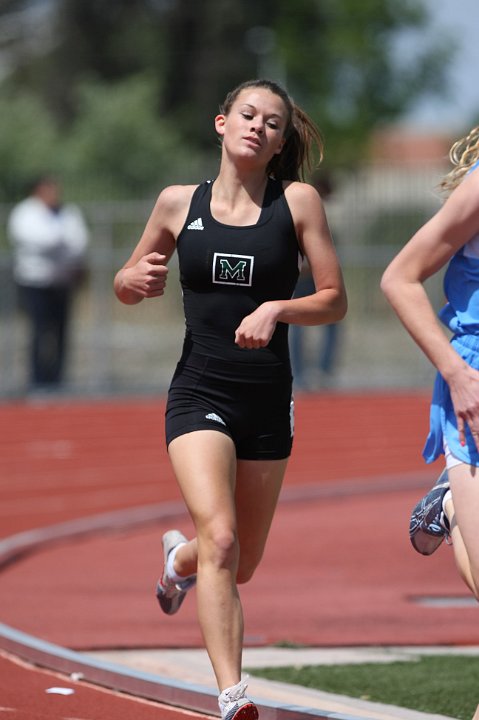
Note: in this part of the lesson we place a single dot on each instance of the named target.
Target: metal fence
(133, 349)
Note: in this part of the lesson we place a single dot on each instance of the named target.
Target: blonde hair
(303, 148)
(463, 154)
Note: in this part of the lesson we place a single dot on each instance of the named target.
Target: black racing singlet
(227, 271)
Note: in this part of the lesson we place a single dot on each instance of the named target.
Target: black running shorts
(258, 416)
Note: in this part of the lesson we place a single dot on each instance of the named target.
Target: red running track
(28, 693)
(338, 569)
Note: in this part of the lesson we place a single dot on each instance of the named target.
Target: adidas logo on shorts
(215, 417)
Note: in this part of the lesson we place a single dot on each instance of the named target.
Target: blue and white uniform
(461, 316)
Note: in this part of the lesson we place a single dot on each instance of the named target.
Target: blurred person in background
(310, 375)
(450, 239)
(230, 414)
(49, 241)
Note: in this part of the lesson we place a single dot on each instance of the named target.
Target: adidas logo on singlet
(196, 225)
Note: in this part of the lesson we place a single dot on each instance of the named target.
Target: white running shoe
(171, 594)
(234, 705)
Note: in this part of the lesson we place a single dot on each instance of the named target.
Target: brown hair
(302, 137)
(463, 154)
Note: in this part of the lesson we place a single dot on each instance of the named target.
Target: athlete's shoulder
(301, 195)
(175, 197)
(300, 190)
(171, 207)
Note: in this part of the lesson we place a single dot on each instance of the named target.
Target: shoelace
(236, 692)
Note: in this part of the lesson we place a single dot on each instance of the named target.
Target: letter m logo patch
(232, 269)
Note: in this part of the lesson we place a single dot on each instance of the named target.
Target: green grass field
(441, 684)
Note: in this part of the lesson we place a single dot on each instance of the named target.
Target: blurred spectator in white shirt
(49, 241)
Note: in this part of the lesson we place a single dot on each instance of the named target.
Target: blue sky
(460, 19)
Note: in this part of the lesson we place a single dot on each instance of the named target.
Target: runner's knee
(219, 547)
